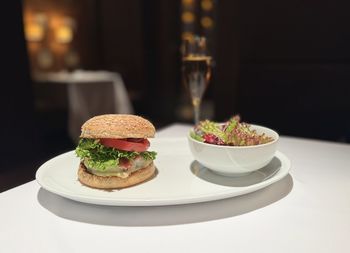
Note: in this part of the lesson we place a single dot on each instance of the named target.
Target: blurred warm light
(187, 2)
(187, 17)
(45, 58)
(64, 34)
(41, 19)
(207, 5)
(64, 30)
(35, 27)
(53, 33)
(207, 22)
(34, 32)
(72, 58)
(187, 36)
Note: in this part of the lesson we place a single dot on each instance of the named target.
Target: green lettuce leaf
(210, 127)
(101, 158)
(195, 136)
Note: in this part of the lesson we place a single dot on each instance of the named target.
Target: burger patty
(123, 169)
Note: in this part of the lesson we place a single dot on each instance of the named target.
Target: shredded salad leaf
(101, 158)
(231, 133)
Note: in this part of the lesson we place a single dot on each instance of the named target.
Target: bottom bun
(114, 182)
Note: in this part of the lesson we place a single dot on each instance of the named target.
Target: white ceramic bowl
(235, 160)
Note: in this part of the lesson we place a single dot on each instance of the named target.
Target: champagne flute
(196, 71)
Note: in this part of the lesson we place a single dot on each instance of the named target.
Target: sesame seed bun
(113, 182)
(118, 126)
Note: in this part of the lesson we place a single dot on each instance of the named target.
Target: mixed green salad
(231, 133)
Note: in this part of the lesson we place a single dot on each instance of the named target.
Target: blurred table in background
(89, 93)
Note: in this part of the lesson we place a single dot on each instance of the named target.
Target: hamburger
(113, 151)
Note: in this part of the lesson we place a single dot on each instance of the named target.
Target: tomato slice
(131, 144)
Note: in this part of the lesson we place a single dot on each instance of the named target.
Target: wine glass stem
(196, 109)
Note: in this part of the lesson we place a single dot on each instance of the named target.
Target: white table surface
(307, 211)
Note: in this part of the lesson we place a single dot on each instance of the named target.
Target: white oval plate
(180, 179)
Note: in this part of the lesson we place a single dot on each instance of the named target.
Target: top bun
(118, 126)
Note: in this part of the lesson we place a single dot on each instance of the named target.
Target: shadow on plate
(164, 215)
(243, 181)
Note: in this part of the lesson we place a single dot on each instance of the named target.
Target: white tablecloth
(307, 211)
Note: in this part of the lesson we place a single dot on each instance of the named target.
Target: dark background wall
(16, 95)
(289, 63)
